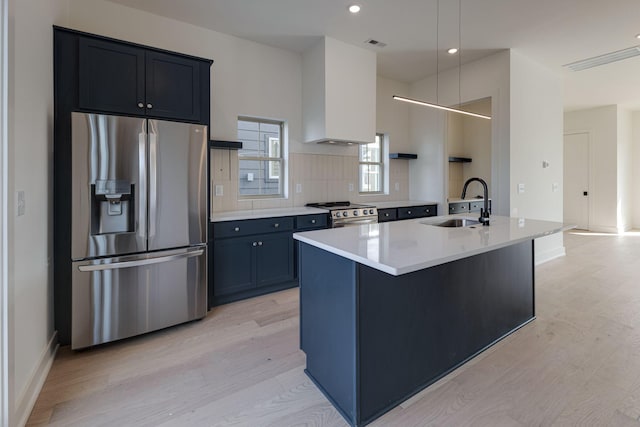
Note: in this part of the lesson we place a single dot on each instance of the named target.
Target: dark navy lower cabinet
(407, 212)
(255, 257)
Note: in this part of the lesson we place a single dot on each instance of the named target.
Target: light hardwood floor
(578, 363)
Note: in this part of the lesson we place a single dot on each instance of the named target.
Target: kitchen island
(388, 309)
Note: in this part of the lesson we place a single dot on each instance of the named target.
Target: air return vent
(607, 58)
(376, 43)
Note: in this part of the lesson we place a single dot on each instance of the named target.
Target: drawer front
(410, 212)
(426, 210)
(458, 207)
(252, 226)
(476, 206)
(309, 222)
(387, 215)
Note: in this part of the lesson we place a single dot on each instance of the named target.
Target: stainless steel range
(346, 213)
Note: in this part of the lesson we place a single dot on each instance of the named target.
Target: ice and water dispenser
(112, 207)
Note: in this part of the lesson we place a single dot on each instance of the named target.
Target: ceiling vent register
(607, 58)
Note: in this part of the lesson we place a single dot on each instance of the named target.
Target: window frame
(269, 176)
(380, 164)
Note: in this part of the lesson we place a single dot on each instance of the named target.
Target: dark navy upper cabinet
(122, 78)
(111, 76)
(172, 86)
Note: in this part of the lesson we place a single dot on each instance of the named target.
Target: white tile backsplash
(323, 178)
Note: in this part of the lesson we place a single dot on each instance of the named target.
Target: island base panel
(328, 317)
(373, 340)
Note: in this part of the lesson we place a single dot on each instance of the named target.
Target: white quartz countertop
(264, 213)
(400, 204)
(401, 247)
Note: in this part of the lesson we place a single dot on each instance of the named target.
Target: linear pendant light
(436, 105)
(439, 107)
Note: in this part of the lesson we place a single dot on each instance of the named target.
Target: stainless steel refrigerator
(139, 226)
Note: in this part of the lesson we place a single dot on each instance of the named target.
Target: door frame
(4, 204)
(589, 169)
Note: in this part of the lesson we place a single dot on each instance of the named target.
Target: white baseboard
(546, 256)
(25, 402)
(603, 229)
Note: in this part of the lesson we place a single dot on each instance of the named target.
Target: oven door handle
(355, 222)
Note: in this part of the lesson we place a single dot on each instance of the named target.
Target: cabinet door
(274, 258)
(110, 77)
(233, 265)
(172, 86)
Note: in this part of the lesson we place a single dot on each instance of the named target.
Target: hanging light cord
(438, 52)
(459, 53)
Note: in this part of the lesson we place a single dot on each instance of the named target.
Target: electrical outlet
(298, 188)
(554, 187)
(219, 190)
(397, 186)
(520, 188)
(20, 203)
(351, 186)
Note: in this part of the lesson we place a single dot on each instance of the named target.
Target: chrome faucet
(484, 213)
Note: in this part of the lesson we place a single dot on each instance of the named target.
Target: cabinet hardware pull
(386, 214)
(259, 243)
(276, 225)
(313, 221)
(255, 244)
(149, 106)
(409, 212)
(140, 105)
(236, 229)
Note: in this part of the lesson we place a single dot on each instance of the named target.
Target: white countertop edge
(264, 213)
(430, 262)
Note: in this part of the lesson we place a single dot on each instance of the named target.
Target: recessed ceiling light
(354, 8)
(638, 36)
(452, 50)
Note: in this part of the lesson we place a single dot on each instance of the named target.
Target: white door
(576, 179)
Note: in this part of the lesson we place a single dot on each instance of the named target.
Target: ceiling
(551, 32)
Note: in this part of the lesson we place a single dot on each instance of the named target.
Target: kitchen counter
(401, 204)
(405, 246)
(408, 302)
(264, 213)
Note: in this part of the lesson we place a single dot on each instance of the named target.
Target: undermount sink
(457, 222)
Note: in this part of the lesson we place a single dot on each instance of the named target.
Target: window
(261, 158)
(372, 165)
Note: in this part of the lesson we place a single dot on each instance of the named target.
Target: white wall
(31, 340)
(602, 126)
(536, 136)
(487, 77)
(625, 171)
(635, 175)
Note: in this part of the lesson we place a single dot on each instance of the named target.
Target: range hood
(338, 94)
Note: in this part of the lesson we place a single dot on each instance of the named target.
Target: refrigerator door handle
(138, 263)
(153, 177)
(142, 178)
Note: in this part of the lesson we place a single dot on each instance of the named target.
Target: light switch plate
(20, 203)
(219, 190)
(397, 186)
(298, 188)
(351, 186)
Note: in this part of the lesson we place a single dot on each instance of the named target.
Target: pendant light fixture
(437, 105)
